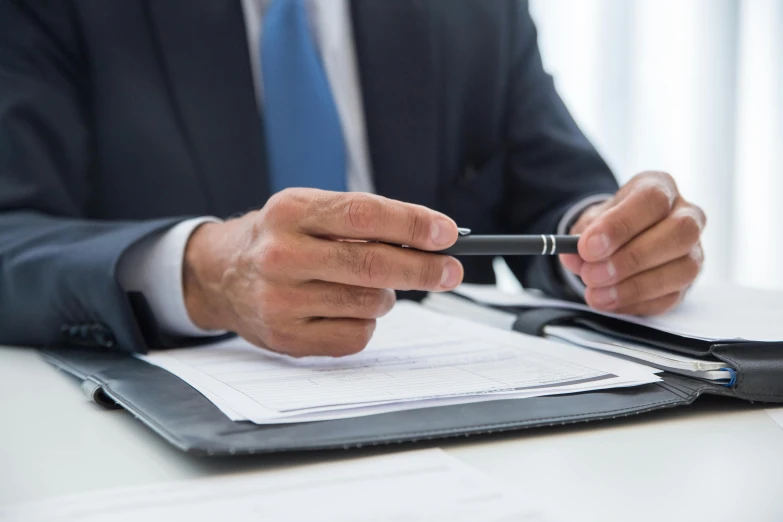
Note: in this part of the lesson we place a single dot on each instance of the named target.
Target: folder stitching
(180, 441)
(479, 429)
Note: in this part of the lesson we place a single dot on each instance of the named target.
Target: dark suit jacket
(118, 119)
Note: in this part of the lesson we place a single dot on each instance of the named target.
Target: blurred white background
(692, 87)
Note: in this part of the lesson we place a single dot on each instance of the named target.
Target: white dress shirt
(154, 266)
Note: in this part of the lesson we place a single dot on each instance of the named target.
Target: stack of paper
(417, 358)
(683, 321)
(663, 359)
(708, 312)
(416, 486)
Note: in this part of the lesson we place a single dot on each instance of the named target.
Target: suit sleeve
(551, 164)
(58, 280)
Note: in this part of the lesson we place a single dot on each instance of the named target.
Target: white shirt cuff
(153, 267)
(566, 222)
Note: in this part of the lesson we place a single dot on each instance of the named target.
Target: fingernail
(605, 296)
(600, 274)
(697, 254)
(442, 232)
(451, 275)
(597, 245)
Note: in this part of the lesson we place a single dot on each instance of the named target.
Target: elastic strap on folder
(732, 379)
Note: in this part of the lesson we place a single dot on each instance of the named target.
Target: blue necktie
(304, 137)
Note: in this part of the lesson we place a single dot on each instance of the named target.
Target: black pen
(508, 245)
(511, 245)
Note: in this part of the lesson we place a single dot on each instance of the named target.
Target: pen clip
(463, 231)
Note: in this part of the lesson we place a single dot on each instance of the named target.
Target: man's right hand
(308, 275)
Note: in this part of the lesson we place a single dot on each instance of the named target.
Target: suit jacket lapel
(204, 52)
(397, 59)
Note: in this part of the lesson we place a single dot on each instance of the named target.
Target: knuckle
(620, 227)
(635, 291)
(280, 341)
(692, 267)
(365, 333)
(375, 302)
(369, 300)
(661, 179)
(325, 340)
(415, 225)
(373, 266)
(281, 203)
(632, 261)
(275, 202)
(429, 274)
(409, 274)
(338, 299)
(660, 279)
(657, 199)
(354, 339)
(361, 213)
(666, 178)
(331, 345)
(271, 256)
(341, 255)
(688, 228)
(389, 298)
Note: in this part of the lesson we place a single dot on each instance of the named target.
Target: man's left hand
(640, 250)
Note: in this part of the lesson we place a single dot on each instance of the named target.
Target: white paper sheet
(708, 312)
(414, 486)
(662, 359)
(417, 358)
(777, 415)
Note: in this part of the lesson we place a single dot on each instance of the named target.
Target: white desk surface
(716, 460)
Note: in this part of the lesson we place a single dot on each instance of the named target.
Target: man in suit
(174, 170)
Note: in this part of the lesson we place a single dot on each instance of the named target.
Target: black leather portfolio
(192, 423)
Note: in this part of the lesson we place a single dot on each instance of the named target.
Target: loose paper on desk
(777, 415)
(709, 312)
(417, 358)
(414, 486)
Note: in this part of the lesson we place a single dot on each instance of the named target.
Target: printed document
(417, 358)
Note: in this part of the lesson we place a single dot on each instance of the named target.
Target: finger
(377, 265)
(322, 337)
(657, 306)
(572, 262)
(660, 281)
(670, 239)
(649, 202)
(356, 215)
(589, 215)
(326, 299)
